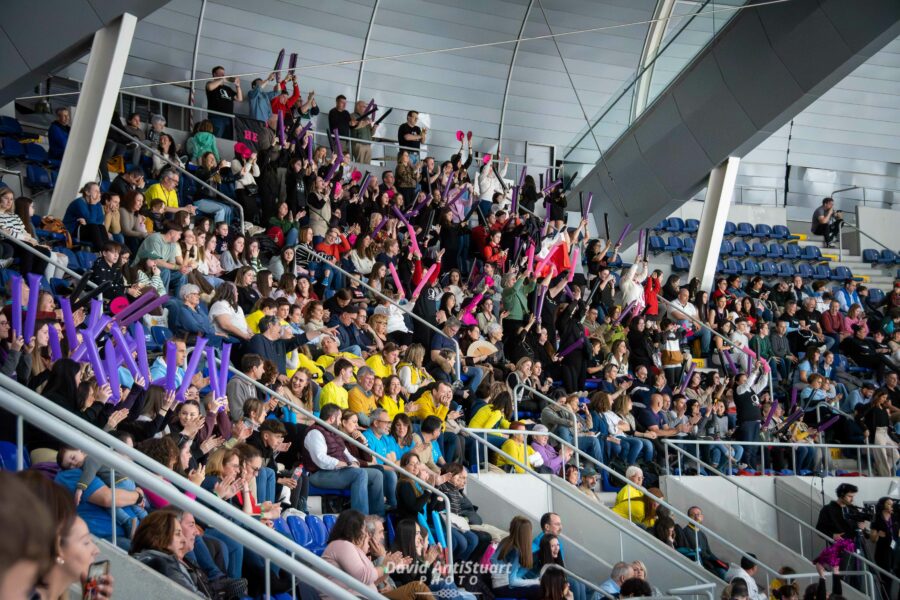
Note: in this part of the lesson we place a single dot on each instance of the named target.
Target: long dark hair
(62, 377)
(21, 206)
(553, 584)
(348, 527)
(405, 540)
(544, 556)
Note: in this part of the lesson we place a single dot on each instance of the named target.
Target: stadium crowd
(403, 309)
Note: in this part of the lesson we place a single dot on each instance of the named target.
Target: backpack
(54, 225)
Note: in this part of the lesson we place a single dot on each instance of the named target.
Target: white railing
(151, 475)
(604, 513)
(801, 525)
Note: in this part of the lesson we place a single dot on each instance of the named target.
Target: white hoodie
(736, 572)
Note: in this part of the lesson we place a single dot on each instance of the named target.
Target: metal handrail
(183, 171)
(27, 247)
(574, 575)
(71, 428)
(17, 174)
(517, 396)
(646, 492)
(870, 579)
(861, 232)
(578, 498)
(178, 104)
(347, 439)
(409, 312)
(803, 524)
(703, 589)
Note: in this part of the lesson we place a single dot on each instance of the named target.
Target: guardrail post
(20, 443)
(112, 507)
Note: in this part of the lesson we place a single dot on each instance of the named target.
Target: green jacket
(515, 298)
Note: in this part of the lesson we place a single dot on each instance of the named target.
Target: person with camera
(827, 222)
(747, 389)
(841, 519)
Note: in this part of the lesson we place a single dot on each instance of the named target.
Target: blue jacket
(80, 209)
(59, 137)
(261, 101)
(192, 321)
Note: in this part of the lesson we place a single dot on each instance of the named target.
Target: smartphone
(95, 572)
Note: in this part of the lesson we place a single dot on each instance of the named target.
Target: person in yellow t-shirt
(330, 354)
(385, 362)
(392, 399)
(435, 401)
(518, 449)
(631, 503)
(266, 307)
(494, 415)
(167, 191)
(362, 400)
(334, 392)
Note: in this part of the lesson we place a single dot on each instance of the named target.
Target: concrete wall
(880, 223)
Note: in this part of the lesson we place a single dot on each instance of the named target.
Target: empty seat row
(761, 231)
(885, 257)
(821, 272)
(673, 245)
(12, 149)
(775, 251)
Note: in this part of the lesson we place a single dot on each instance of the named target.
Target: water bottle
(298, 473)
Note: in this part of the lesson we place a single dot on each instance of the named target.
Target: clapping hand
(116, 418)
(211, 443)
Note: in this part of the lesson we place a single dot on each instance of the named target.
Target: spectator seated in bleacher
(84, 217)
(58, 133)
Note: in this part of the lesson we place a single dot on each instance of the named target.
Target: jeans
(354, 349)
(806, 459)
(366, 487)
(475, 375)
(222, 126)
(630, 449)
(201, 555)
(719, 453)
(464, 543)
(390, 484)
(265, 485)
(221, 211)
(235, 552)
(588, 444)
(705, 341)
(173, 280)
(748, 431)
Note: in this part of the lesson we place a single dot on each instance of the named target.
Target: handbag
(251, 189)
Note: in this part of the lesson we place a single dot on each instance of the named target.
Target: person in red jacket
(335, 246)
(282, 103)
(493, 253)
(652, 287)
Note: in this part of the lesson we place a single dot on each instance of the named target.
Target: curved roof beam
(655, 34)
(365, 49)
(512, 63)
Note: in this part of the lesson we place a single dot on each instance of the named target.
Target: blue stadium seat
(691, 226)
(792, 252)
(733, 267)
(10, 126)
(741, 248)
(744, 230)
(35, 153)
(299, 531)
(776, 251)
(729, 229)
(329, 521)
(661, 226)
(871, 256)
(762, 231)
(822, 273)
(804, 270)
(876, 297)
(780, 232)
(811, 253)
(12, 149)
(751, 268)
(680, 264)
(656, 244)
(675, 225)
(38, 178)
(888, 257)
(786, 269)
(726, 248)
(673, 244)
(319, 533)
(840, 273)
(8, 457)
(758, 250)
(687, 245)
(720, 266)
(768, 269)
